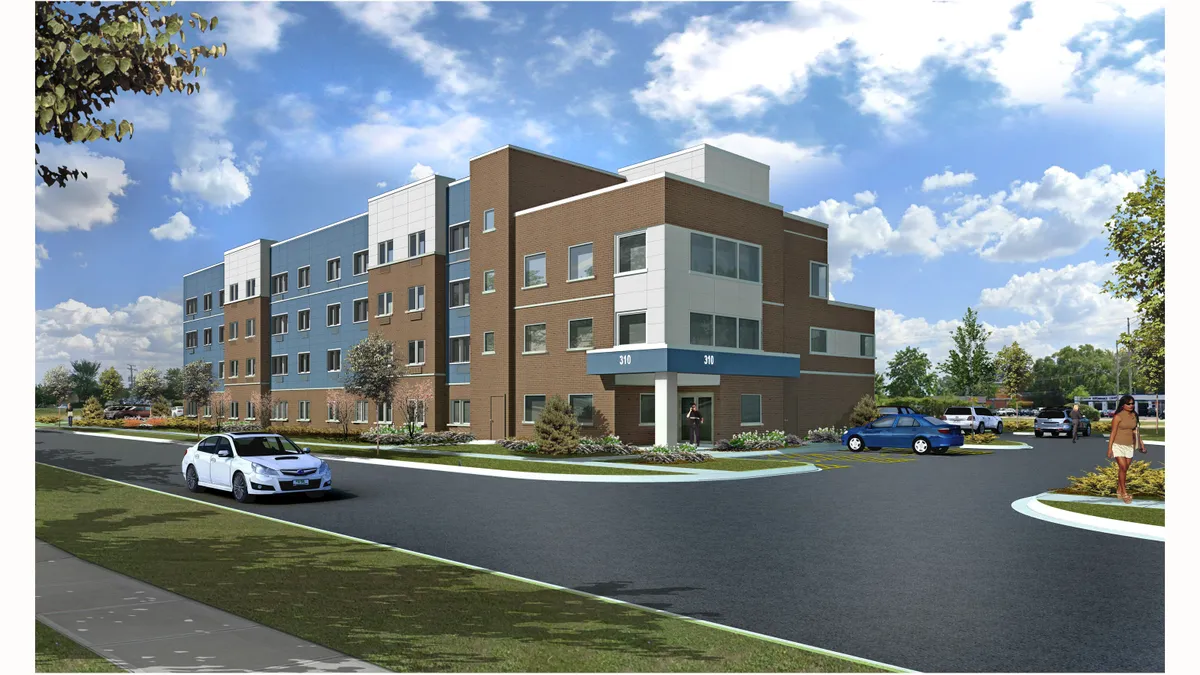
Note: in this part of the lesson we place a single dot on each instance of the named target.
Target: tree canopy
(82, 60)
(1137, 235)
(969, 365)
(910, 373)
(1014, 366)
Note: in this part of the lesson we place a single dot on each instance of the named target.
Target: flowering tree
(148, 384)
(220, 404)
(341, 404)
(412, 395)
(371, 371)
(56, 384)
(263, 402)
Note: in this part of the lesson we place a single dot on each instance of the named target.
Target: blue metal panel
(673, 360)
(212, 353)
(459, 322)
(458, 198)
(196, 285)
(458, 256)
(459, 373)
(458, 270)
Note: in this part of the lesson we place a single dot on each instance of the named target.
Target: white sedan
(250, 463)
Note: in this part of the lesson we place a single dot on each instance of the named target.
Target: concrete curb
(1106, 501)
(1162, 443)
(1030, 506)
(1023, 446)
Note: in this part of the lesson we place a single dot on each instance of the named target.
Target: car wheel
(1037, 433)
(980, 429)
(921, 446)
(1087, 431)
(240, 492)
(855, 444)
(999, 428)
(193, 481)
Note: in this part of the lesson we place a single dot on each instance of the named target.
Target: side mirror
(223, 453)
(304, 450)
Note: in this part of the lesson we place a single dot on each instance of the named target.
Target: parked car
(112, 412)
(135, 410)
(974, 419)
(177, 411)
(251, 463)
(896, 410)
(922, 434)
(1055, 421)
(1006, 412)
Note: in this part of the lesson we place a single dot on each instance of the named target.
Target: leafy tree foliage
(880, 385)
(173, 382)
(197, 386)
(371, 371)
(1014, 365)
(161, 407)
(342, 404)
(910, 373)
(864, 411)
(1137, 235)
(148, 384)
(92, 410)
(557, 430)
(112, 387)
(84, 378)
(969, 365)
(82, 60)
(56, 383)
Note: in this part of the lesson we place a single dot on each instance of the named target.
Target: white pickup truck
(973, 419)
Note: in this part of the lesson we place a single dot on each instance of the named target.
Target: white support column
(666, 409)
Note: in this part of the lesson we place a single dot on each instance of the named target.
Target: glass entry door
(704, 405)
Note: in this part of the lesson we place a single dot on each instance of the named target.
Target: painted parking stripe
(702, 622)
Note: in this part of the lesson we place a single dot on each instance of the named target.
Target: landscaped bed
(401, 611)
(1132, 514)
(57, 653)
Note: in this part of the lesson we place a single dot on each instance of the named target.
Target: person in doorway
(1076, 422)
(695, 419)
(1121, 442)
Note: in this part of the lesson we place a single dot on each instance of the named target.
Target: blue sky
(964, 154)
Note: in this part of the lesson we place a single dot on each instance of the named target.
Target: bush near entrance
(557, 430)
(1140, 480)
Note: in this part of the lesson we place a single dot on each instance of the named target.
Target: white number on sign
(709, 359)
(625, 359)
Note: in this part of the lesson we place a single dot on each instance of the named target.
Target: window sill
(380, 316)
(486, 231)
(459, 306)
(460, 363)
(333, 325)
(644, 424)
(459, 424)
(630, 273)
(579, 349)
(303, 420)
(526, 288)
(571, 281)
(303, 330)
(752, 424)
(529, 353)
(304, 372)
(417, 364)
(487, 292)
(415, 311)
(488, 353)
(362, 321)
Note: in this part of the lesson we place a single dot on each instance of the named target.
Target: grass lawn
(398, 610)
(734, 464)
(1130, 514)
(1069, 491)
(57, 653)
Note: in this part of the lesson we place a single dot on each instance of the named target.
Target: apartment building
(632, 294)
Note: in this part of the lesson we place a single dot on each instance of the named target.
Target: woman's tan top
(1124, 423)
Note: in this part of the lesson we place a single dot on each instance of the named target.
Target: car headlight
(261, 470)
(323, 468)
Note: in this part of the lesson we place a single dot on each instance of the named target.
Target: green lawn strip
(401, 611)
(735, 464)
(57, 653)
(1071, 491)
(488, 463)
(1132, 514)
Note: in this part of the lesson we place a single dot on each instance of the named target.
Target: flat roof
(691, 149)
(324, 227)
(406, 186)
(202, 269)
(802, 219)
(664, 174)
(542, 154)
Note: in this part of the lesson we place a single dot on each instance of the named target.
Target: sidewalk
(143, 628)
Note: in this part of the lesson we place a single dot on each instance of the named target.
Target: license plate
(300, 481)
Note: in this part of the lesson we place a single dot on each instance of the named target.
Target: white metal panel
(689, 292)
(247, 262)
(418, 207)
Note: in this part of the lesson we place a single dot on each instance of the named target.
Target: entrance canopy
(661, 358)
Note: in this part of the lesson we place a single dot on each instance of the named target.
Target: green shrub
(1089, 412)
(1139, 480)
(979, 439)
(48, 419)
(92, 410)
(557, 430)
(864, 411)
(826, 435)
(160, 408)
(1017, 423)
(676, 454)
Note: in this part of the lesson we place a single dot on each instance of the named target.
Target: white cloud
(253, 28)
(786, 159)
(446, 142)
(947, 180)
(381, 184)
(145, 112)
(212, 109)
(1072, 294)
(382, 96)
(720, 67)
(177, 228)
(336, 89)
(646, 11)
(864, 198)
(590, 46)
(207, 170)
(419, 171)
(475, 11)
(853, 233)
(40, 254)
(600, 103)
(84, 202)
(1153, 64)
(145, 333)
(538, 132)
(396, 23)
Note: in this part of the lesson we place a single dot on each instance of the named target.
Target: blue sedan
(922, 434)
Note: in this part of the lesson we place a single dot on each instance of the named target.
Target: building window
(383, 412)
(818, 341)
(533, 407)
(333, 269)
(535, 338)
(207, 337)
(489, 342)
(726, 332)
(233, 328)
(460, 293)
(221, 333)
(579, 262)
(333, 315)
(418, 408)
(360, 412)
(208, 410)
(489, 281)
(208, 302)
(416, 244)
(460, 413)
(251, 288)
(333, 360)
(279, 283)
(535, 270)
(191, 339)
(249, 410)
(631, 329)
(385, 252)
(702, 329)
(631, 252)
(702, 253)
(191, 306)
(305, 408)
(726, 258)
(384, 304)
(361, 310)
(304, 319)
(330, 413)
(866, 345)
(279, 411)
(220, 370)
(460, 349)
(233, 368)
(489, 220)
(747, 334)
(646, 410)
(582, 405)
(749, 262)
(304, 277)
(579, 334)
(751, 409)
(460, 238)
(233, 292)
(818, 280)
(279, 365)
(250, 326)
(279, 324)
(416, 352)
(221, 298)
(416, 298)
(361, 260)
(250, 367)
(233, 410)
(303, 362)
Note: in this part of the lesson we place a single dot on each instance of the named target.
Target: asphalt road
(921, 564)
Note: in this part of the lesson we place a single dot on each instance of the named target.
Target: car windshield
(958, 411)
(935, 421)
(262, 446)
(888, 410)
(1052, 414)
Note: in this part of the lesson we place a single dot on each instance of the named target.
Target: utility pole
(131, 369)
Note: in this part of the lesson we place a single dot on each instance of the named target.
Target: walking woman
(1121, 442)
